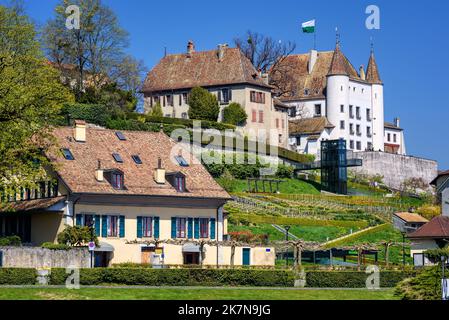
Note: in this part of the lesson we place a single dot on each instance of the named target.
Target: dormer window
(117, 158)
(180, 183)
(67, 154)
(117, 180)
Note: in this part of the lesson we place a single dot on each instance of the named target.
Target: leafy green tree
(203, 105)
(156, 111)
(234, 114)
(77, 236)
(31, 96)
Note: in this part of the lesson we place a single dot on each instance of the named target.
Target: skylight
(67, 154)
(137, 159)
(181, 161)
(120, 136)
(117, 157)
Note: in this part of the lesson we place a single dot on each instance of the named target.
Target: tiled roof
(315, 82)
(372, 72)
(79, 174)
(32, 205)
(437, 228)
(411, 217)
(309, 125)
(203, 68)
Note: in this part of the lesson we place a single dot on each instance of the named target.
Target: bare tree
(268, 55)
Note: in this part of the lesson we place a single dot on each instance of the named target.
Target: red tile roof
(372, 72)
(79, 174)
(204, 68)
(309, 126)
(437, 228)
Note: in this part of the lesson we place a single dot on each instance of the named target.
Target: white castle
(332, 100)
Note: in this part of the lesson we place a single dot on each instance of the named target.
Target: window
(359, 145)
(85, 220)
(368, 114)
(254, 116)
(168, 115)
(117, 157)
(184, 115)
(181, 227)
(260, 116)
(306, 92)
(204, 228)
(113, 229)
(357, 113)
(394, 137)
(342, 108)
(225, 95)
(283, 124)
(185, 97)
(363, 90)
(357, 129)
(351, 128)
(342, 125)
(298, 141)
(318, 110)
(156, 100)
(181, 161)
(351, 144)
(370, 146)
(368, 132)
(257, 97)
(341, 88)
(67, 154)
(117, 180)
(170, 101)
(137, 159)
(147, 226)
(351, 112)
(180, 184)
(120, 136)
(277, 123)
(388, 137)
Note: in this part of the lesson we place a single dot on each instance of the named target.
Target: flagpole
(314, 37)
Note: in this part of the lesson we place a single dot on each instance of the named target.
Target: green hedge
(353, 279)
(17, 276)
(92, 113)
(179, 277)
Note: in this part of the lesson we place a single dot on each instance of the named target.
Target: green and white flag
(308, 27)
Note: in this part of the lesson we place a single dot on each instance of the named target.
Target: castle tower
(377, 102)
(338, 94)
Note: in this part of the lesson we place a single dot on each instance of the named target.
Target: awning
(104, 247)
(191, 247)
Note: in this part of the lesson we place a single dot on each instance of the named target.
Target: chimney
(362, 72)
(265, 78)
(99, 173)
(159, 173)
(80, 130)
(221, 51)
(397, 122)
(190, 48)
(313, 56)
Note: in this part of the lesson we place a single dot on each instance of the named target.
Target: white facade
(445, 202)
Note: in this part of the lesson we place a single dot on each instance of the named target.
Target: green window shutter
(122, 226)
(173, 228)
(156, 227)
(104, 226)
(212, 228)
(190, 228)
(139, 227)
(97, 225)
(78, 220)
(196, 228)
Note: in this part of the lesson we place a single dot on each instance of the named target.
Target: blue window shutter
(97, 225)
(122, 226)
(212, 228)
(139, 227)
(156, 227)
(78, 220)
(190, 228)
(104, 226)
(196, 228)
(173, 228)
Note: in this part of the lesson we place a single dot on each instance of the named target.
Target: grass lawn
(191, 294)
(307, 233)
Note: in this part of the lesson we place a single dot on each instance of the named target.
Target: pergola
(264, 189)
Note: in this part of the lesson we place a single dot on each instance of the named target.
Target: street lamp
(286, 239)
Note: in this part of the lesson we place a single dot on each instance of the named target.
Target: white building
(325, 84)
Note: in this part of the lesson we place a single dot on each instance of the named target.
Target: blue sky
(412, 46)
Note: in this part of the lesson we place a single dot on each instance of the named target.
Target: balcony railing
(45, 189)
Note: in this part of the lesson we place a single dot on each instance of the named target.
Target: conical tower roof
(372, 71)
(338, 64)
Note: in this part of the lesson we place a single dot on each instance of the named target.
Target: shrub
(156, 111)
(429, 212)
(76, 236)
(203, 105)
(17, 276)
(353, 279)
(234, 114)
(284, 171)
(227, 181)
(92, 113)
(425, 286)
(13, 241)
(55, 246)
(178, 277)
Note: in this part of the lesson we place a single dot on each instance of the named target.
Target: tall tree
(30, 98)
(267, 55)
(203, 105)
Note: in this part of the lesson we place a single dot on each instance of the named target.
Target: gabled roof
(437, 228)
(79, 174)
(313, 126)
(203, 69)
(372, 72)
(411, 217)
